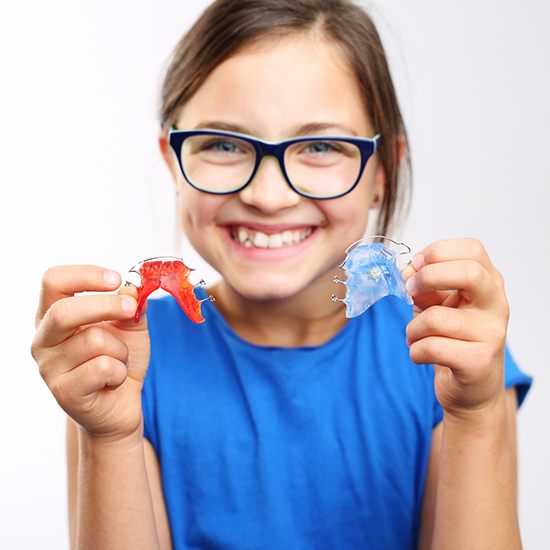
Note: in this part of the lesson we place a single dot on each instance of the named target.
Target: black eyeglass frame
(367, 147)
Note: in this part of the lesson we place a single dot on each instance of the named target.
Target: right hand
(90, 353)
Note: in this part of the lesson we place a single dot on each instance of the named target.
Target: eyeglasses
(317, 167)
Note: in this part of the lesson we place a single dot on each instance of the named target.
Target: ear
(168, 155)
(379, 186)
(380, 175)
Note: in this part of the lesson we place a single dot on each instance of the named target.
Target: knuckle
(499, 278)
(474, 273)
(506, 312)
(433, 251)
(413, 353)
(94, 339)
(431, 347)
(44, 368)
(58, 313)
(418, 352)
(476, 248)
(498, 275)
(50, 277)
(449, 320)
(104, 366)
(35, 349)
(436, 317)
(126, 354)
(425, 276)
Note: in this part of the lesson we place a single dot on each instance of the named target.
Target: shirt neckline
(212, 314)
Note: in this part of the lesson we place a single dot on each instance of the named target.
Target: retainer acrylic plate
(372, 273)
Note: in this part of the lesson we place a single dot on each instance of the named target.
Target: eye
(222, 146)
(322, 147)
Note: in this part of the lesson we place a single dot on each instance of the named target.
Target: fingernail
(408, 342)
(411, 286)
(128, 304)
(418, 261)
(110, 278)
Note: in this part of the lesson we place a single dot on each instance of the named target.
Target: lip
(267, 254)
(270, 229)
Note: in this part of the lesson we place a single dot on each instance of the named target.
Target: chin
(267, 288)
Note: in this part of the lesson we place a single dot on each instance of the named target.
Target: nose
(269, 190)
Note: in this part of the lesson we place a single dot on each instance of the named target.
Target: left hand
(460, 321)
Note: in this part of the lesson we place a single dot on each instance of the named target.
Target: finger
(424, 301)
(66, 280)
(68, 314)
(444, 321)
(89, 378)
(429, 299)
(83, 346)
(466, 359)
(453, 249)
(130, 324)
(468, 276)
(408, 271)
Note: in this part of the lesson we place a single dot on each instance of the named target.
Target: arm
(476, 505)
(94, 358)
(118, 487)
(471, 491)
(460, 322)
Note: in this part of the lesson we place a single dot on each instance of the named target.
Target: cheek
(196, 209)
(348, 211)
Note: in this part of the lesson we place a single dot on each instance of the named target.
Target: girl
(278, 423)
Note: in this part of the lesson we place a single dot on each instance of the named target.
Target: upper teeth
(248, 237)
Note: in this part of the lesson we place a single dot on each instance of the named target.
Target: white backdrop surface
(83, 182)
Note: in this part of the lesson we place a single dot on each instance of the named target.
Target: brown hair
(228, 25)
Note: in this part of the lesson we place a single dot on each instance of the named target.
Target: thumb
(130, 293)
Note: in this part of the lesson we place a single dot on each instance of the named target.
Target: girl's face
(275, 90)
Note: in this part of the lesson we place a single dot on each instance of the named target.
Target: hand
(90, 353)
(460, 322)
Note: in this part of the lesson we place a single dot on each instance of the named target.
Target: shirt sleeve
(514, 377)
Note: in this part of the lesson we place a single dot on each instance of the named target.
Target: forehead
(278, 83)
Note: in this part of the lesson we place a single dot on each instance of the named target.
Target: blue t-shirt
(273, 448)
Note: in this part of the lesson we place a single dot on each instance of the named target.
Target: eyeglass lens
(317, 168)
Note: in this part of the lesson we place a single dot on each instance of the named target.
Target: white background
(82, 181)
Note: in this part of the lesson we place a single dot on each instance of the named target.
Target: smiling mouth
(251, 238)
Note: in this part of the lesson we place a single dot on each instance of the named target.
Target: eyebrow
(302, 130)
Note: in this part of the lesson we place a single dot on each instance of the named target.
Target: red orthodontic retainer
(172, 275)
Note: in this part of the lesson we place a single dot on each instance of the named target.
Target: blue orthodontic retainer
(371, 274)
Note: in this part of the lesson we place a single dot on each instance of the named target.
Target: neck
(308, 318)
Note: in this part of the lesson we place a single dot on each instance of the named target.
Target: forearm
(114, 504)
(476, 503)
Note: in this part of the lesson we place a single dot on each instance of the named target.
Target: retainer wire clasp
(387, 253)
